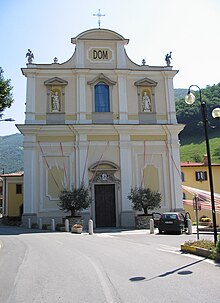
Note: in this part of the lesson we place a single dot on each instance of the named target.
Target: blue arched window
(102, 102)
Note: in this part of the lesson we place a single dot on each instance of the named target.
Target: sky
(188, 28)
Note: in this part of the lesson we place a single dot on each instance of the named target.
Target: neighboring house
(100, 119)
(12, 194)
(196, 176)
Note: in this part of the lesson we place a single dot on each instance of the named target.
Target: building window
(0, 190)
(102, 105)
(102, 102)
(201, 176)
(18, 188)
(182, 176)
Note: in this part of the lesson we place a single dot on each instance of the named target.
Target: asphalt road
(128, 267)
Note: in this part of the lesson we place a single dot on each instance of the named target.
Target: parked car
(171, 222)
(156, 218)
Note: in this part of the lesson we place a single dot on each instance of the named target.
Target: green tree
(217, 153)
(144, 198)
(74, 200)
(6, 99)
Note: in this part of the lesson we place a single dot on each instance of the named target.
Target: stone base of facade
(31, 216)
(47, 217)
(127, 219)
(143, 221)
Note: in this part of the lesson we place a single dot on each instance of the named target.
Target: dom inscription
(100, 54)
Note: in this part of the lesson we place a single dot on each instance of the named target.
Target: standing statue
(146, 103)
(30, 56)
(55, 102)
(168, 58)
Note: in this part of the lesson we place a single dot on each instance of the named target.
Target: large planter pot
(142, 221)
(76, 230)
(75, 220)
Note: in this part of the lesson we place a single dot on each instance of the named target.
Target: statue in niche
(146, 103)
(55, 102)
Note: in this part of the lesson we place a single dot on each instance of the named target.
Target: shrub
(46, 226)
(144, 198)
(218, 244)
(206, 220)
(206, 244)
(34, 225)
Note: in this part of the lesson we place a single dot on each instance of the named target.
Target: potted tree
(144, 199)
(74, 201)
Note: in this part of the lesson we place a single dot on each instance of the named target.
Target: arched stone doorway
(105, 187)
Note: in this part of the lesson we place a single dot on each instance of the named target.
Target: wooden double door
(105, 210)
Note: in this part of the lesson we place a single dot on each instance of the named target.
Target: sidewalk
(203, 230)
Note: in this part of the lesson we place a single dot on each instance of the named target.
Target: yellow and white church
(100, 119)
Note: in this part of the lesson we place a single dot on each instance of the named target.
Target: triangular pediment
(104, 166)
(55, 81)
(101, 77)
(145, 82)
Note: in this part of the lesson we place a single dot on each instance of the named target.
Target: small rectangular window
(201, 176)
(0, 190)
(182, 176)
(18, 188)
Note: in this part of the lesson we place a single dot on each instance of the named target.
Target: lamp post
(190, 99)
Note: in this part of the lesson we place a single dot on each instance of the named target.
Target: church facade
(103, 120)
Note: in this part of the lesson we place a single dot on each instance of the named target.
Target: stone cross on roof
(99, 15)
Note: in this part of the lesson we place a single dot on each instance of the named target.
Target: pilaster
(30, 99)
(81, 99)
(30, 184)
(127, 214)
(122, 93)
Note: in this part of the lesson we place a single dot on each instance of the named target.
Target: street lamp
(190, 99)
(7, 119)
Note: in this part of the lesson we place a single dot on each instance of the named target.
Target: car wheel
(160, 231)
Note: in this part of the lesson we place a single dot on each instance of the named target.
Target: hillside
(192, 136)
(180, 93)
(11, 153)
(192, 148)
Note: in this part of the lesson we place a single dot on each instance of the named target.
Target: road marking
(177, 251)
(170, 251)
(104, 235)
(59, 242)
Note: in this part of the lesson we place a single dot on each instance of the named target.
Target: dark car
(171, 222)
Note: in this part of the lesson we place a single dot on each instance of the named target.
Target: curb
(201, 252)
